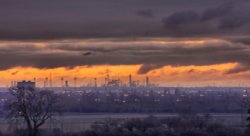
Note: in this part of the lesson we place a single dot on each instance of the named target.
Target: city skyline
(48, 79)
(124, 67)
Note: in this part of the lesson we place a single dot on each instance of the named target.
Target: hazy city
(125, 68)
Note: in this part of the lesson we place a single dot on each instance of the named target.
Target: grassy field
(79, 122)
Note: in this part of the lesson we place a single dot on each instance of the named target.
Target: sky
(174, 42)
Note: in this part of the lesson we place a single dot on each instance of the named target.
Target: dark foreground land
(137, 125)
(126, 113)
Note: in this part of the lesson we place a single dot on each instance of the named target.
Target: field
(79, 122)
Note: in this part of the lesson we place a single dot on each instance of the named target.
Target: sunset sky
(174, 42)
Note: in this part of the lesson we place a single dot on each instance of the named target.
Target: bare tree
(34, 106)
(245, 103)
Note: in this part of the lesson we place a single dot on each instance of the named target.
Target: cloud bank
(76, 19)
(151, 54)
(62, 33)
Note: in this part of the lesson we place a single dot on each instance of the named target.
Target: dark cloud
(191, 71)
(151, 56)
(239, 68)
(87, 53)
(14, 73)
(93, 21)
(183, 17)
(233, 22)
(243, 40)
(146, 13)
(75, 19)
(148, 67)
(231, 18)
(217, 12)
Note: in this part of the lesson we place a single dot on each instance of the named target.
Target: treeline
(184, 125)
(152, 102)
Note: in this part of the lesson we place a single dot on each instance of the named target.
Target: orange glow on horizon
(168, 75)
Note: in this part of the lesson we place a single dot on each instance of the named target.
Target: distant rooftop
(26, 84)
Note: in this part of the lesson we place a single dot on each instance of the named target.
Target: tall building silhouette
(62, 81)
(66, 83)
(75, 82)
(26, 85)
(95, 82)
(130, 80)
(50, 80)
(147, 81)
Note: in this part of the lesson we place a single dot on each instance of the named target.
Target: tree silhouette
(34, 106)
(248, 118)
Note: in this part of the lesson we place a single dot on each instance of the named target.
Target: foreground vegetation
(36, 107)
(183, 125)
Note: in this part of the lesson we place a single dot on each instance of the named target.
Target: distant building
(114, 83)
(95, 82)
(26, 85)
(66, 83)
(132, 83)
(129, 80)
(147, 81)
